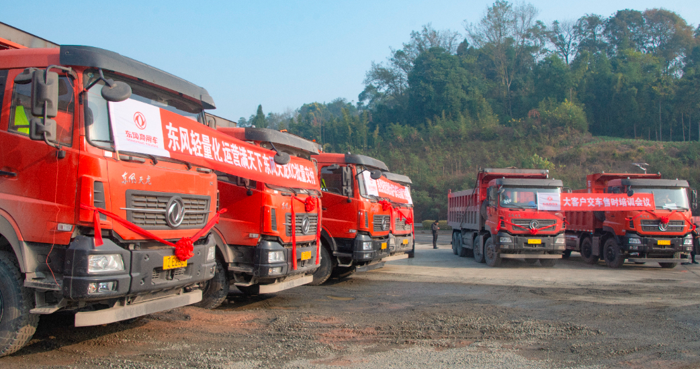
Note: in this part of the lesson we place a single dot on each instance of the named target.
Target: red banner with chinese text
(143, 128)
(394, 191)
(606, 202)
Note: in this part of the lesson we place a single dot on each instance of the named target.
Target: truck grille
(148, 210)
(653, 226)
(526, 222)
(381, 223)
(299, 218)
(400, 225)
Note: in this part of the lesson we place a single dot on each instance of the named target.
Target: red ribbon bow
(183, 248)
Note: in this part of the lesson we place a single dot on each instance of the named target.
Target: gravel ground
(436, 310)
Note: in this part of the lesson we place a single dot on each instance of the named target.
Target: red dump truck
(402, 236)
(259, 248)
(355, 225)
(75, 211)
(661, 235)
(500, 218)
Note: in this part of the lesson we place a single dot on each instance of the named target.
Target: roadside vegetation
(575, 97)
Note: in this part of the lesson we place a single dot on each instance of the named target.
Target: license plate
(172, 262)
(383, 245)
(664, 242)
(405, 242)
(306, 255)
(534, 241)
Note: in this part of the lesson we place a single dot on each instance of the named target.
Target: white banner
(137, 127)
(548, 201)
(370, 184)
(408, 195)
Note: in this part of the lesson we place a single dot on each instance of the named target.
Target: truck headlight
(105, 263)
(560, 241)
(505, 240)
(634, 241)
(275, 256)
(367, 246)
(688, 241)
(211, 253)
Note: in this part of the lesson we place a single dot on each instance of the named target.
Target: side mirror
(333, 166)
(115, 91)
(37, 128)
(630, 193)
(376, 174)
(44, 93)
(347, 182)
(282, 158)
(694, 199)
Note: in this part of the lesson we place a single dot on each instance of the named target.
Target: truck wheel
(216, 289)
(613, 254)
(566, 254)
(323, 272)
(531, 261)
(465, 252)
(455, 245)
(587, 251)
(478, 250)
(668, 265)
(17, 325)
(342, 272)
(491, 256)
(548, 263)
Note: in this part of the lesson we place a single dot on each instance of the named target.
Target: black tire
(216, 289)
(548, 263)
(455, 249)
(587, 251)
(17, 324)
(478, 251)
(491, 256)
(670, 265)
(253, 290)
(323, 272)
(531, 261)
(613, 254)
(566, 254)
(342, 272)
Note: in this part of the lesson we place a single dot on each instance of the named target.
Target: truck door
(36, 187)
(339, 215)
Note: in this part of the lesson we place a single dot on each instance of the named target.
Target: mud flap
(595, 246)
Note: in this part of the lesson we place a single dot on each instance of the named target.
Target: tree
(563, 38)
(510, 37)
(589, 33)
(259, 120)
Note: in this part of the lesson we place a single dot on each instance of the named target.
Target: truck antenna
(641, 166)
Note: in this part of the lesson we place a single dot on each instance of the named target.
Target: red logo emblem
(550, 198)
(140, 120)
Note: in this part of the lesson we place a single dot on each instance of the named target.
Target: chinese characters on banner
(143, 128)
(594, 201)
(383, 187)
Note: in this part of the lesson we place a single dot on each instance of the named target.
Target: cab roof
(398, 178)
(271, 135)
(352, 159)
(528, 182)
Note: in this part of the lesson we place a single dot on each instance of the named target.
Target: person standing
(435, 228)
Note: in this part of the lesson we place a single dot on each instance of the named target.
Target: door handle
(324, 209)
(9, 174)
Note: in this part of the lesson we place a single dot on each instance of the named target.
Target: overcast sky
(280, 54)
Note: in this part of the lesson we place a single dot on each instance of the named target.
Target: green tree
(259, 120)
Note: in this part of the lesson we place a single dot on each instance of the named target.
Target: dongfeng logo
(140, 120)
(663, 226)
(175, 212)
(534, 224)
(305, 225)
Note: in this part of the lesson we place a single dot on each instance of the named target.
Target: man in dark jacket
(434, 227)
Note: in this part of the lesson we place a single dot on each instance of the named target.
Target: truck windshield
(667, 198)
(97, 120)
(522, 197)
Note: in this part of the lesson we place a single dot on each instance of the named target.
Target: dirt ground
(437, 310)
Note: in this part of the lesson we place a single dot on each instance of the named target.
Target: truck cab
(60, 174)
(402, 236)
(504, 217)
(258, 251)
(661, 235)
(355, 226)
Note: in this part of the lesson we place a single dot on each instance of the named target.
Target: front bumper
(524, 244)
(656, 246)
(306, 260)
(380, 248)
(143, 271)
(400, 243)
